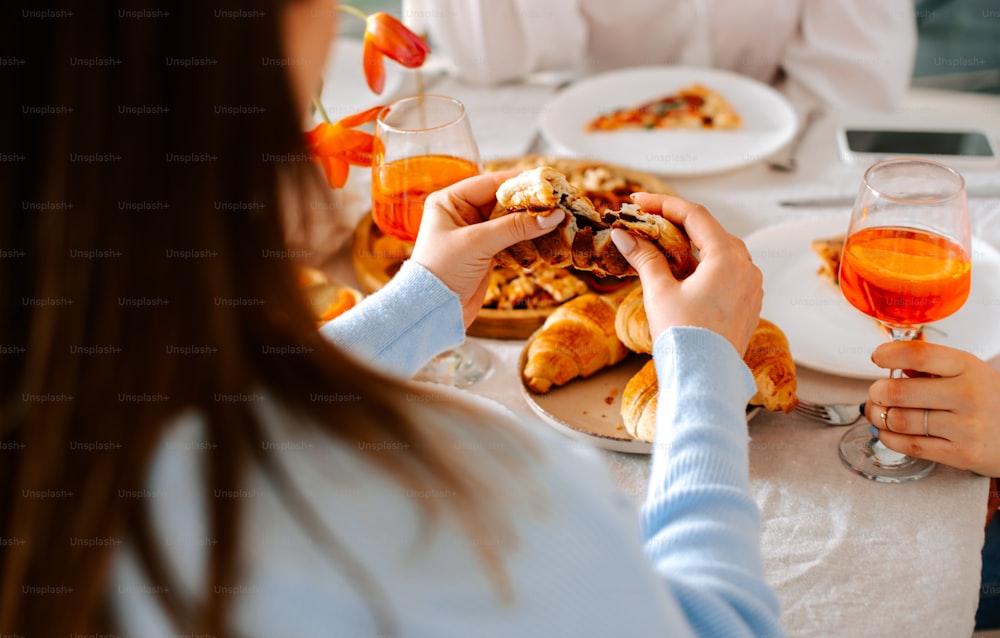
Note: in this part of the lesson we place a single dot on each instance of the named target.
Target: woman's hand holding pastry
(723, 294)
(947, 410)
(457, 245)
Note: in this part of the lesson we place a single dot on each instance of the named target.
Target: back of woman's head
(150, 151)
(143, 202)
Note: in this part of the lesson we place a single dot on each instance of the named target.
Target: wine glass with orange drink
(423, 144)
(907, 263)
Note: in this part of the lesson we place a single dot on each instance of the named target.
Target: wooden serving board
(377, 258)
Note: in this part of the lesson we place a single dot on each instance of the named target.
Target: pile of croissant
(592, 332)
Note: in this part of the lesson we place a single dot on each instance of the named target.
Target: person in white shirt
(844, 53)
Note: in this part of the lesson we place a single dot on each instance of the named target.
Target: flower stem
(354, 11)
(322, 111)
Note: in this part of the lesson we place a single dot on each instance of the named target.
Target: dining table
(847, 556)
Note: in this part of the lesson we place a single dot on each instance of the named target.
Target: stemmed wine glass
(906, 263)
(423, 144)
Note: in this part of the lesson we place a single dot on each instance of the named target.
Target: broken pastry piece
(583, 239)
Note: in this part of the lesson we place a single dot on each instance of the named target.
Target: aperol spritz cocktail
(906, 263)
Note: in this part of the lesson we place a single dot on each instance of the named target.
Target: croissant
(631, 324)
(770, 359)
(639, 399)
(583, 239)
(576, 340)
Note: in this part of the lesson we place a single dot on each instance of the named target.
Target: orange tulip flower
(387, 36)
(337, 146)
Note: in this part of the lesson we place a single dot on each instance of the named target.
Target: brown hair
(144, 272)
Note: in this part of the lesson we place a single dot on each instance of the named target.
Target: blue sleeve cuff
(402, 326)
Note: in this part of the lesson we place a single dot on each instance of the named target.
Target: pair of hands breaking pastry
(460, 234)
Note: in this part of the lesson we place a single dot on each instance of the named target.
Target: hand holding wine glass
(906, 263)
(423, 144)
(423, 148)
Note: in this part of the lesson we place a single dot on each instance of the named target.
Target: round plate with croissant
(518, 300)
(589, 373)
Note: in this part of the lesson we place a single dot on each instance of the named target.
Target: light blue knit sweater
(580, 562)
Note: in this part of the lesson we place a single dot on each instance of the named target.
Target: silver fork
(836, 414)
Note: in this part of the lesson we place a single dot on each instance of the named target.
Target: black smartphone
(965, 148)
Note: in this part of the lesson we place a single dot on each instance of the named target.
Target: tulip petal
(358, 119)
(320, 138)
(374, 66)
(395, 40)
(327, 142)
(317, 133)
(336, 171)
(350, 140)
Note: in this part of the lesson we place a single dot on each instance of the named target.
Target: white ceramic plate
(589, 410)
(826, 333)
(345, 91)
(769, 121)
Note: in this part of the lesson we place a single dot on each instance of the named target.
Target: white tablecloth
(847, 556)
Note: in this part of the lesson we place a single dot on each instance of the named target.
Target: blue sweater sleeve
(700, 526)
(402, 326)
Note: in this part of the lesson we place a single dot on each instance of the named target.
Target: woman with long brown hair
(182, 453)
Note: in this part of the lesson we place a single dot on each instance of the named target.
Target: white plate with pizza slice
(826, 333)
(768, 121)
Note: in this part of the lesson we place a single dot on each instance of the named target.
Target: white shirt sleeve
(503, 40)
(852, 53)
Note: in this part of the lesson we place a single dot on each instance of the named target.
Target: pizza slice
(692, 107)
(829, 251)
